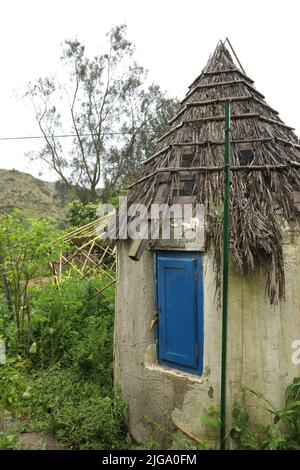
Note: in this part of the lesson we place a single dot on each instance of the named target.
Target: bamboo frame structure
(87, 255)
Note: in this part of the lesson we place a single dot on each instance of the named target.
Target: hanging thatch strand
(275, 157)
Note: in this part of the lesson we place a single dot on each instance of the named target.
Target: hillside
(35, 197)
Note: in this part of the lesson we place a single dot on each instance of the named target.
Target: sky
(173, 41)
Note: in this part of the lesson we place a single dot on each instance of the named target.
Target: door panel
(179, 296)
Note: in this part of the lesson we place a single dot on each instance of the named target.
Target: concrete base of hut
(260, 338)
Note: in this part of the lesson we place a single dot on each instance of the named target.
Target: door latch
(154, 318)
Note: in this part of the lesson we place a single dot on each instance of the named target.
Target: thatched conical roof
(260, 139)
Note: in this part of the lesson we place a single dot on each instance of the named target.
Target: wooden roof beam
(239, 116)
(204, 169)
(220, 142)
(231, 99)
(237, 141)
(219, 72)
(157, 154)
(222, 118)
(218, 84)
(195, 104)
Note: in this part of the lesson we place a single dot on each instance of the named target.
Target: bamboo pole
(188, 433)
(236, 57)
(88, 256)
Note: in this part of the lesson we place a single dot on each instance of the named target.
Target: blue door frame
(180, 310)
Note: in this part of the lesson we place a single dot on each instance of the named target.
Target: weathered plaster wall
(259, 345)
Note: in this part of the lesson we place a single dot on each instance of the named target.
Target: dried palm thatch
(265, 155)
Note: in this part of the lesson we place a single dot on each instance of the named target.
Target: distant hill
(35, 197)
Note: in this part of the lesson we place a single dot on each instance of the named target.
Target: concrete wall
(259, 346)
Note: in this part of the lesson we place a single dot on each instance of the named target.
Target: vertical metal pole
(226, 229)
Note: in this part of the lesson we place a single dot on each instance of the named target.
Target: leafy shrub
(76, 411)
(9, 441)
(212, 419)
(173, 440)
(13, 387)
(93, 354)
(5, 315)
(282, 434)
(66, 385)
(26, 248)
(80, 214)
(71, 324)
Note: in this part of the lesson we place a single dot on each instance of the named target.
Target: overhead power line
(28, 137)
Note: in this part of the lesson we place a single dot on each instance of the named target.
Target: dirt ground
(30, 440)
(38, 441)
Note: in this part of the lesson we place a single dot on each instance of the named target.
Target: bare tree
(149, 113)
(102, 105)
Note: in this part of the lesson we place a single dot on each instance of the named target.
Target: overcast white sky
(173, 39)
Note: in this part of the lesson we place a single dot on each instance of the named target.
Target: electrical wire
(60, 136)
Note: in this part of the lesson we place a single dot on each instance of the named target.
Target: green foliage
(80, 214)
(284, 431)
(212, 418)
(177, 441)
(76, 410)
(73, 325)
(12, 385)
(93, 354)
(28, 243)
(26, 248)
(65, 194)
(5, 314)
(111, 196)
(291, 413)
(239, 433)
(9, 441)
(218, 214)
(66, 386)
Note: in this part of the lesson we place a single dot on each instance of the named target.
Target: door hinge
(197, 350)
(196, 275)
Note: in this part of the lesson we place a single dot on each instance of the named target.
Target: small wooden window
(186, 160)
(184, 188)
(186, 180)
(186, 156)
(245, 155)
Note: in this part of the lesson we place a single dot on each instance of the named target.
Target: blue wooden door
(180, 310)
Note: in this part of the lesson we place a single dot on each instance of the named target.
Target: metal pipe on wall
(226, 248)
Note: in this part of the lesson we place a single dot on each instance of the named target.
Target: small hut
(168, 316)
